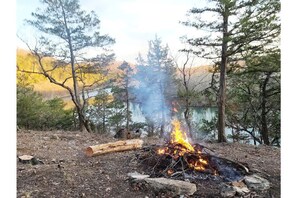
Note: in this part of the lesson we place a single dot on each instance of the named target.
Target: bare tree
(192, 83)
(67, 32)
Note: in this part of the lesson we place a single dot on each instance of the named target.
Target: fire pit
(179, 167)
(179, 159)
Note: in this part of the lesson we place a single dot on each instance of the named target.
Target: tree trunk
(162, 123)
(188, 101)
(151, 129)
(82, 128)
(222, 89)
(127, 111)
(162, 130)
(162, 111)
(187, 118)
(264, 127)
(104, 120)
(81, 119)
(84, 124)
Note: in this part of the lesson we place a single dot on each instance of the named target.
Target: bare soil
(67, 172)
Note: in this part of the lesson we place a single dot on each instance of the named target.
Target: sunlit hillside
(27, 74)
(200, 76)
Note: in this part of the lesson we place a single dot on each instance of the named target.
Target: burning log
(177, 164)
(118, 146)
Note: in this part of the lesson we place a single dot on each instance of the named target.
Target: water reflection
(198, 115)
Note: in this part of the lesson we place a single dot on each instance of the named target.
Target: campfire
(179, 148)
(180, 159)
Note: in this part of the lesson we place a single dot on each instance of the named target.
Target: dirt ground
(67, 172)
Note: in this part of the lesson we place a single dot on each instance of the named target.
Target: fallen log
(123, 145)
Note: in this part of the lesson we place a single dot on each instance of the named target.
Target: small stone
(227, 191)
(240, 188)
(255, 182)
(46, 138)
(137, 176)
(54, 137)
(21, 169)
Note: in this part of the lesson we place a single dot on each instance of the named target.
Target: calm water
(198, 115)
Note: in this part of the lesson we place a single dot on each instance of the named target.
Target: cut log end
(29, 159)
(89, 152)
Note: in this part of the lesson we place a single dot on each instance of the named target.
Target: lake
(198, 115)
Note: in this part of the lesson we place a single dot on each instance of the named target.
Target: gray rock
(54, 137)
(236, 188)
(227, 191)
(176, 187)
(46, 138)
(255, 182)
(240, 188)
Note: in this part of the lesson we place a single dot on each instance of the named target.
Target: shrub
(33, 112)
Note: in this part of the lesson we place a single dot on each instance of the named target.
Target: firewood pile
(171, 161)
(179, 159)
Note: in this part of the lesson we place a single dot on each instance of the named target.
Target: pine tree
(156, 77)
(67, 32)
(125, 85)
(230, 31)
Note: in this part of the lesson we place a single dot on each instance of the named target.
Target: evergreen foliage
(238, 30)
(155, 84)
(67, 33)
(35, 113)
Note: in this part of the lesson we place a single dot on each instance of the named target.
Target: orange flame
(161, 151)
(179, 146)
(177, 136)
(170, 171)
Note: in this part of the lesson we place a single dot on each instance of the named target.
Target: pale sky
(131, 22)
